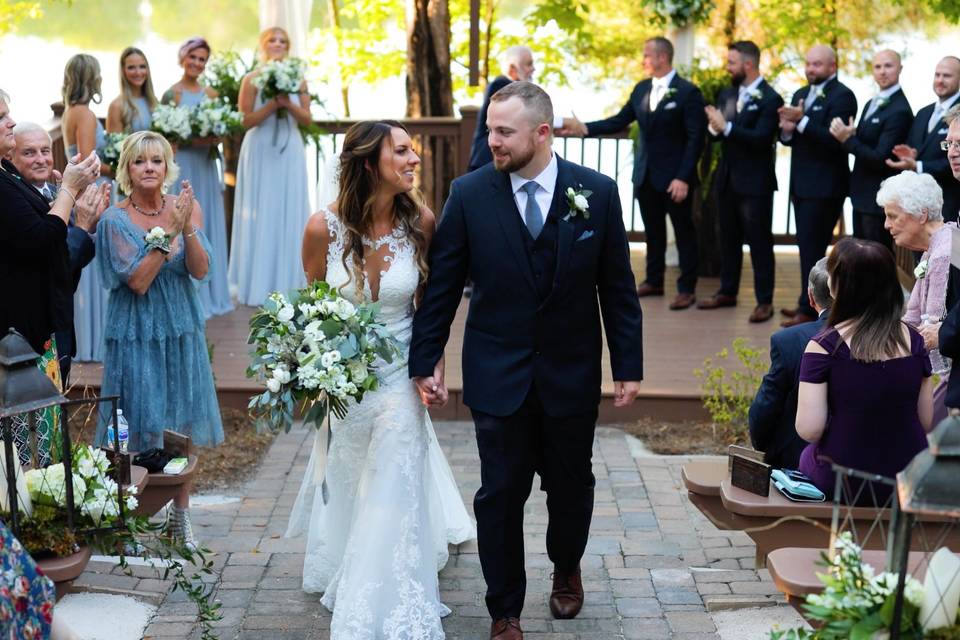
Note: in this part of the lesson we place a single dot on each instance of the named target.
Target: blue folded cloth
(790, 484)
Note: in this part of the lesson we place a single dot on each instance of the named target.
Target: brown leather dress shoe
(761, 313)
(799, 318)
(646, 289)
(716, 301)
(566, 599)
(506, 629)
(683, 301)
(790, 312)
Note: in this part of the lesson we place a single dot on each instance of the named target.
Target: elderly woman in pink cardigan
(911, 203)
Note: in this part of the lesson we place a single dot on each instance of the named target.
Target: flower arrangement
(224, 72)
(215, 118)
(577, 201)
(856, 602)
(279, 77)
(113, 143)
(172, 122)
(318, 349)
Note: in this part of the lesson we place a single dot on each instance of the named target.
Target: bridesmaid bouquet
(172, 122)
(113, 143)
(215, 118)
(316, 349)
(278, 77)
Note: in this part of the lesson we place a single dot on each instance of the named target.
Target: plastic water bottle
(124, 432)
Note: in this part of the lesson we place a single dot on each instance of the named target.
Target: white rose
(281, 375)
(285, 314)
(571, 193)
(274, 385)
(580, 202)
(358, 371)
(330, 358)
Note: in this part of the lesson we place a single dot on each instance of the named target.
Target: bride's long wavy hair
(359, 181)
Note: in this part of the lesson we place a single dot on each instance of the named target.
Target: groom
(544, 265)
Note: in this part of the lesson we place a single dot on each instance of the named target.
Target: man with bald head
(884, 124)
(819, 173)
(922, 152)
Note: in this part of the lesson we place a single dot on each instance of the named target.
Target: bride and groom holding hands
(543, 241)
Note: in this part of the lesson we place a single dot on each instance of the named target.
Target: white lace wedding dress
(392, 505)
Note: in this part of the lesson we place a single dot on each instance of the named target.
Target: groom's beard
(514, 161)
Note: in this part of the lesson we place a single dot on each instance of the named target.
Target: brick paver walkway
(654, 567)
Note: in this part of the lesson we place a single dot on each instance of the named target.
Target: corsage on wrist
(157, 238)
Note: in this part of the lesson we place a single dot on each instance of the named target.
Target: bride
(381, 509)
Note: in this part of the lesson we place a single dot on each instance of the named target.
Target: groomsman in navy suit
(669, 112)
(819, 172)
(884, 124)
(745, 123)
(922, 152)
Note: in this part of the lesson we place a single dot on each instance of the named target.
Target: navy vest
(542, 254)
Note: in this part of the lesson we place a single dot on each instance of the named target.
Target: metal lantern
(927, 488)
(24, 389)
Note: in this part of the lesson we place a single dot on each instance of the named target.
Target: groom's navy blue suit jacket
(518, 332)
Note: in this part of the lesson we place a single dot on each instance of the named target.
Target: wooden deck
(675, 343)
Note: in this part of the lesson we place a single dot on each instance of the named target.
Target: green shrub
(729, 391)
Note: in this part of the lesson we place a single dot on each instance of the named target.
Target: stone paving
(654, 567)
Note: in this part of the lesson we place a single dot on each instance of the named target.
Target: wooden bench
(774, 522)
(794, 570)
(164, 487)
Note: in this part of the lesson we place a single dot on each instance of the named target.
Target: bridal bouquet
(215, 118)
(113, 143)
(172, 122)
(317, 349)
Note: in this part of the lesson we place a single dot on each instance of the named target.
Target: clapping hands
(182, 210)
(842, 132)
(79, 173)
(91, 204)
(906, 158)
(715, 119)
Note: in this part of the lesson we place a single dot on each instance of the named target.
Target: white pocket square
(670, 105)
(943, 132)
(816, 107)
(752, 107)
(875, 120)
(586, 234)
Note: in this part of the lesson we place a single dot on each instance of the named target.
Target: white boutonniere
(578, 203)
(157, 238)
(755, 94)
(882, 102)
(921, 270)
(669, 93)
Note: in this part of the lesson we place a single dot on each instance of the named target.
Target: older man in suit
(745, 123)
(884, 124)
(33, 160)
(922, 152)
(773, 414)
(669, 112)
(819, 172)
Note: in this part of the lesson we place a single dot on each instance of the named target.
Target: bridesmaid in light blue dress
(198, 164)
(272, 205)
(83, 133)
(132, 110)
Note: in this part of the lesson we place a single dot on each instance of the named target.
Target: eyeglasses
(947, 145)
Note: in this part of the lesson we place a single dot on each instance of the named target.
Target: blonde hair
(140, 144)
(128, 107)
(81, 80)
(265, 37)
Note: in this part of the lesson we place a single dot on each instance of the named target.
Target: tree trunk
(344, 88)
(730, 22)
(430, 90)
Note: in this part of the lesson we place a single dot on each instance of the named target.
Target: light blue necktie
(531, 213)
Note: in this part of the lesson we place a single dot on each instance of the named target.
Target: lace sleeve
(118, 251)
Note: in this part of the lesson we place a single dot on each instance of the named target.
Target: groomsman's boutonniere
(577, 200)
(669, 93)
(755, 94)
(882, 102)
(921, 270)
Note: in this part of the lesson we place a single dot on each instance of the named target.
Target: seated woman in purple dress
(865, 396)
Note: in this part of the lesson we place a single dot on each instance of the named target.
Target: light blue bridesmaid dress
(270, 210)
(90, 299)
(200, 168)
(143, 118)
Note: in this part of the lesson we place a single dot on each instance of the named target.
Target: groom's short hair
(747, 50)
(533, 97)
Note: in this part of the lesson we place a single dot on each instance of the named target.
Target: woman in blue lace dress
(271, 205)
(198, 165)
(83, 133)
(132, 110)
(155, 354)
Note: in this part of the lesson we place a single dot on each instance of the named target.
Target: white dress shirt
(547, 183)
(658, 88)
